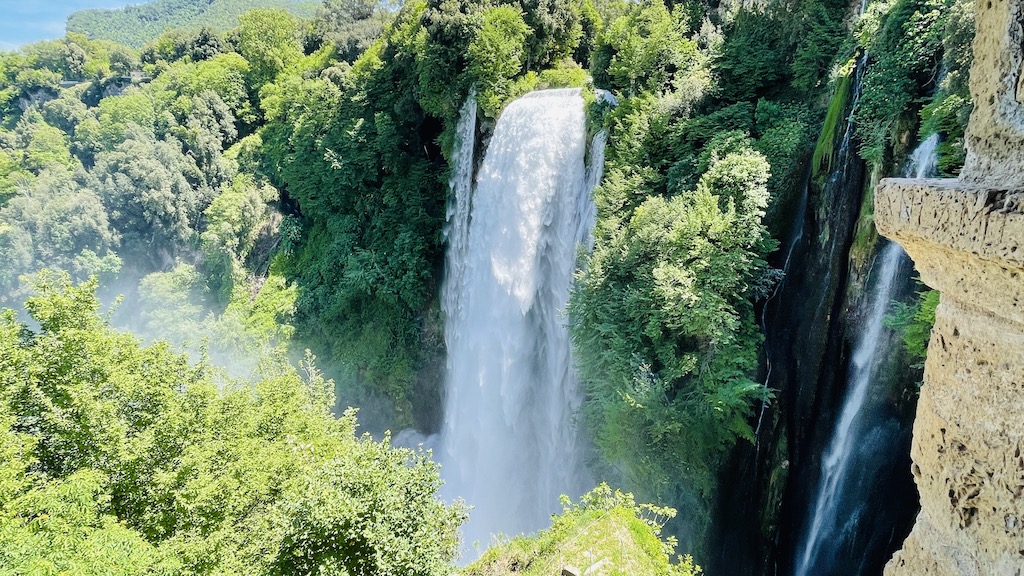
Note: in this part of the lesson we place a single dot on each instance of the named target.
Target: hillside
(136, 25)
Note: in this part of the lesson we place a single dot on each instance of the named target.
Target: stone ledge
(967, 241)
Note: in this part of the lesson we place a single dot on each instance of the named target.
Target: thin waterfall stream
(857, 446)
(509, 446)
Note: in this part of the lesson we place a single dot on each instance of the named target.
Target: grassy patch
(607, 534)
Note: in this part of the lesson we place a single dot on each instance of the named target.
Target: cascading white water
(924, 160)
(845, 439)
(509, 444)
(457, 218)
(852, 428)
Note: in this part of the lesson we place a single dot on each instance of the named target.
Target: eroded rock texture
(996, 132)
(966, 237)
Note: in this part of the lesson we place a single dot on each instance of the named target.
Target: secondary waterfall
(509, 445)
(924, 159)
(857, 449)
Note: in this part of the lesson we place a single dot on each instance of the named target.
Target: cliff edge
(966, 237)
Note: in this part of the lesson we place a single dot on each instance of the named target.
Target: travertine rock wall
(966, 237)
(996, 132)
(968, 448)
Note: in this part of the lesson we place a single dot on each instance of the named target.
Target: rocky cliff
(966, 237)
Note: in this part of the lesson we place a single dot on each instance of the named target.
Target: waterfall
(848, 437)
(509, 446)
(924, 160)
(456, 230)
(858, 444)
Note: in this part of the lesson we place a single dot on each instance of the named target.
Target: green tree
(111, 119)
(269, 41)
(208, 129)
(496, 56)
(234, 220)
(756, 56)
(154, 195)
(360, 156)
(44, 146)
(663, 325)
(55, 221)
(60, 526)
(225, 74)
(557, 30)
(139, 24)
(644, 50)
(350, 25)
(123, 455)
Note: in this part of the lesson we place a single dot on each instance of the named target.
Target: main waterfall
(509, 445)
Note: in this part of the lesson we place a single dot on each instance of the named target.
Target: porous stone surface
(966, 242)
(967, 450)
(966, 237)
(995, 134)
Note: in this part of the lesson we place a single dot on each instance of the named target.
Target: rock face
(966, 237)
(996, 132)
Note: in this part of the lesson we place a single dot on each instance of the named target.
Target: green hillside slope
(136, 25)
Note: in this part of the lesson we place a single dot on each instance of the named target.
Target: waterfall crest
(509, 445)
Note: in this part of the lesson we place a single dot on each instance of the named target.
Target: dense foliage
(123, 178)
(663, 319)
(124, 458)
(920, 50)
(664, 322)
(135, 25)
(361, 148)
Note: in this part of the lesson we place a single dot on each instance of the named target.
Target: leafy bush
(122, 457)
(914, 321)
(605, 528)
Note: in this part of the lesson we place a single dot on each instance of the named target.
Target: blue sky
(24, 21)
